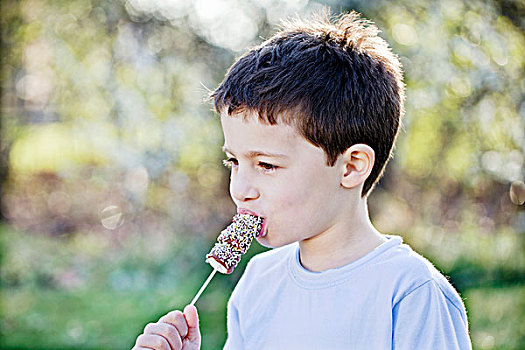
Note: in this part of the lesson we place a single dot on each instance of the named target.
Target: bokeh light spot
(137, 180)
(111, 217)
(404, 34)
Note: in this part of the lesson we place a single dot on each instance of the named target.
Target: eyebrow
(253, 154)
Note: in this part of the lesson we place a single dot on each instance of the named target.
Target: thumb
(192, 318)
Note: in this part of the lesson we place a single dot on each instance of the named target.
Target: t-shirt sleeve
(427, 318)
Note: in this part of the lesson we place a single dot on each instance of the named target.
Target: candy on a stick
(234, 241)
(231, 244)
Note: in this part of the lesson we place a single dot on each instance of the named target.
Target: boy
(310, 118)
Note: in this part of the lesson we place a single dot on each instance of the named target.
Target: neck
(350, 238)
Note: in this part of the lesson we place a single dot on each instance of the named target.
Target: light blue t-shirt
(391, 298)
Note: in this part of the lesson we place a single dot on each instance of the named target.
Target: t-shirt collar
(333, 277)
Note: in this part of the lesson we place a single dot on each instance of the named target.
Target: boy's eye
(233, 163)
(230, 162)
(267, 166)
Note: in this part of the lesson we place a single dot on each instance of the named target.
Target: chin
(268, 242)
(264, 242)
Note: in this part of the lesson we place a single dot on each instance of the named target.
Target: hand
(173, 331)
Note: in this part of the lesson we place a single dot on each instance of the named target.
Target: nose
(242, 186)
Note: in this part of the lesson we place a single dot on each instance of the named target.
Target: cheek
(287, 195)
(309, 200)
(296, 202)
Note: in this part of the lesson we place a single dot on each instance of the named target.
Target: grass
(97, 319)
(113, 304)
(104, 319)
(496, 317)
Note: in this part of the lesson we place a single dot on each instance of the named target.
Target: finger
(152, 341)
(192, 318)
(166, 330)
(176, 318)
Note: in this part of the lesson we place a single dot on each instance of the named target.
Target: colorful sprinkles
(235, 240)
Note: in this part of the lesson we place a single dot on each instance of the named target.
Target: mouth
(262, 231)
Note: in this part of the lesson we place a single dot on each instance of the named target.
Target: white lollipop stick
(203, 286)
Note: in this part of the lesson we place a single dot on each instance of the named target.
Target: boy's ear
(358, 161)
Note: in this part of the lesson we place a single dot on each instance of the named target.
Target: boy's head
(336, 82)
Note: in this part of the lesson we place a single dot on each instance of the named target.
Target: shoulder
(424, 296)
(412, 271)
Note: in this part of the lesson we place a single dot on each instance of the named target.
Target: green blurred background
(112, 188)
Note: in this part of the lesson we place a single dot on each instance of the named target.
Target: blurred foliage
(112, 191)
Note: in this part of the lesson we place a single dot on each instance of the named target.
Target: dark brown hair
(333, 78)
